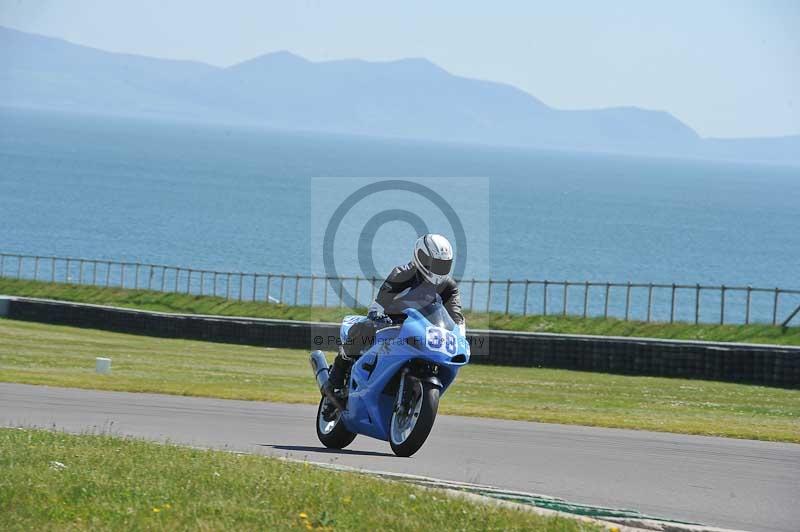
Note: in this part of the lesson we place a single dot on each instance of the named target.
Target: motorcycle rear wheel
(332, 433)
(407, 433)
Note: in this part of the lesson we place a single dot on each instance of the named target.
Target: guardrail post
(566, 287)
(627, 301)
(649, 301)
(508, 294)
(472, 295)
(722, 305)
(311, 296)
(296, 287)
(775, 307)
(605, 303)
(525, 299)
(672, 305)
(36, 268)
(489, 296)
(544, 298)
(747, 306)
(585, 299)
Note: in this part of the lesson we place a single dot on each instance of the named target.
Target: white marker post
(102, 365)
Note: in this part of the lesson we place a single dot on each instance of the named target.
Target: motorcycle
(393, 389)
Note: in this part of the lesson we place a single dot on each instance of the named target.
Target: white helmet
(433, 257)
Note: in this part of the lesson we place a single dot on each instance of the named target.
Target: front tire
(408, 432)
(332, 433)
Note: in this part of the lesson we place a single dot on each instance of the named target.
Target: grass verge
(184, 303)
(36, 353)
(56, 481)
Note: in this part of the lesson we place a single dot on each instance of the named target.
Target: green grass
(55, 481)
(168, 302)
(64, 356)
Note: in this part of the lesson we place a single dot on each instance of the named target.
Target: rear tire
(406, 445)
(332, 434)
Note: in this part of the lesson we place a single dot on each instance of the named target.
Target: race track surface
(715, 481)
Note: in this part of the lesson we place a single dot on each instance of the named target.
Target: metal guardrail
(692, 303)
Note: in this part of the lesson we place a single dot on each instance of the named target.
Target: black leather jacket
(405, 278)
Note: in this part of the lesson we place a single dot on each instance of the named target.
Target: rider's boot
(334, 389)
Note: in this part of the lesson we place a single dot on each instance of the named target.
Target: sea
(243, 198)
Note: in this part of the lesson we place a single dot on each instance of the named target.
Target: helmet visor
(435, 266)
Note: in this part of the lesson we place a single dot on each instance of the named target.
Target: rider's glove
(379, 317)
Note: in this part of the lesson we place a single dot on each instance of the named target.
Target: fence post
(214, 283)
(525, 299)
(241, 283)
(775, 307)
(280, 295)
(108, 273)
(52, 270)
(627, 301)
(697, 304)
(2, 263)
(585, 299)
(163, 277)
(341, 292)
(488, 296)
(672, 305)
(255, 282)
(358, 279)
(649, 301)
(177, 276)
(326, 283)
(508, 294)
(472, 295)
(722, 305)
(544, 297)
(80, 271)
(311, 297)
(605, 303)
(94, 272)
(747, 306)
(122, 274)
(296, 287)
(266, 292)
(189, 281)
(150, 277)
(372, 291)
(202, 281)
(36, 268)
(136, 282)
(227, 286)
(564, 309)
(19, 267)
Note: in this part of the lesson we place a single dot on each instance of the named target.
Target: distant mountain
(409, 98)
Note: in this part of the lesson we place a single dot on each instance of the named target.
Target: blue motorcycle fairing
(369, 409)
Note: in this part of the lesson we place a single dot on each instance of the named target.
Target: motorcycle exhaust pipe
(319, 365)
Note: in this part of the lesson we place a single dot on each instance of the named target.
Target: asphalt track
(715, 481)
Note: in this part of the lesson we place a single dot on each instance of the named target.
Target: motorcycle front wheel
(409, 430)
(331, 430)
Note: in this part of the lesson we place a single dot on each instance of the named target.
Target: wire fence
(649, 302)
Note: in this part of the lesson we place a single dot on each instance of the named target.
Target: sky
(727, 68)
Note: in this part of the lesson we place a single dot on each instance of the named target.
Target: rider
(429, 268)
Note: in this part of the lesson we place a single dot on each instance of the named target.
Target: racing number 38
(441, 340)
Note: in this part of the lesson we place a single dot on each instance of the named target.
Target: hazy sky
(727, 68)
